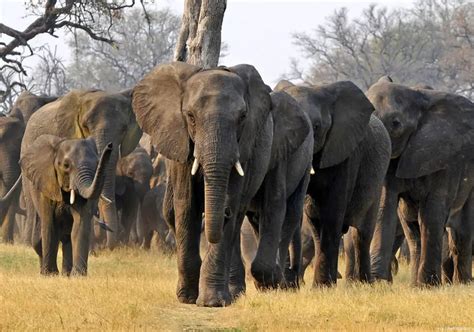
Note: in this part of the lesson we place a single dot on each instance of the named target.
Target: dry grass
(133, 290)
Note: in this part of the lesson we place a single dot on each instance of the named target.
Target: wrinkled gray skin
(351, 155)
(103, 116)
(220, 116)
(133, 176)
(431, 173)
(63, 178)
(152, 211)
(12, 128)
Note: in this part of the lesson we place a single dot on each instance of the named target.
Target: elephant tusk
(108, 200)
(104, 225)
(195, 167)
(239, 169)
(72, 197)
(120, 151)
(312, 172)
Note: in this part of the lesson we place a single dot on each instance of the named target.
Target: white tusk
(120, 151)
(108, 200)
(195, 167)
(72, 198)
(239, 169)
(312, 172)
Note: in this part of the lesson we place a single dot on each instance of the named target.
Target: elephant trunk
(89, 185)
(215, 189)
(107, 207)
(218, 154)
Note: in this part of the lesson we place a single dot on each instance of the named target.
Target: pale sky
(257, 31)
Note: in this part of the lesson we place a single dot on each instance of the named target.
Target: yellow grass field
(129, 289)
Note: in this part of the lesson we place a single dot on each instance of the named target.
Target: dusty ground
(129, 289)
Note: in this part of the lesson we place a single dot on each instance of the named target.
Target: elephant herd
(305, 166)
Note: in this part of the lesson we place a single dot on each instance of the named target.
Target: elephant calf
(62, 179)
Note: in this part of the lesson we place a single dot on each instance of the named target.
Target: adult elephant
(216, 128)
(432, 173)
(27, 103)
(11, 133)
(63, 178)
(105, 117)
(12, 128)
(350, 158)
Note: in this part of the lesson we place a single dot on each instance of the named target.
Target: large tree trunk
(199, 41)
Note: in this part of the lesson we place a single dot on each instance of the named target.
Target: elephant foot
(236, 290)
(292, 280)
(214, 298)
(187, 295)
(426, 279)
(49, 272)
(79, 272)
(323, 280)
(266, 277)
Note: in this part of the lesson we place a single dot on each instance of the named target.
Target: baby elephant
(62, 180)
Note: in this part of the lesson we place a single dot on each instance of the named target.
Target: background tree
(432, 43)
(94, 18)
(140, 48)
(199, 40)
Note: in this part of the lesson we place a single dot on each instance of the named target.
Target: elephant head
(138, 167)
(428, 128)
(339, 113)
(213, 116)
(105, 117)
(61, 167)
(27, 103)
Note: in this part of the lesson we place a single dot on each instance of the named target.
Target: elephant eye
(191, 118)
(243, 115)
(66, 165)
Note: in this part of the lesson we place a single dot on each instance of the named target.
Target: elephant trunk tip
(213, 237)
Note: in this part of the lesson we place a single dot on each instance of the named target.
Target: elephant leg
(214, 276)
(384, 235)
(220, 271)
(147, 240)
(413, 237)
(49, 239)
(8, 226)
(349, 254)
(432, 218)
(265, 269)
(237, 285)
(308, 246)
(460, 240)
(295, 261)
(291, 233)
(128, 218)
(184, 217)
(67, 255)
(361, 236)
(329, 231)
(80, 239)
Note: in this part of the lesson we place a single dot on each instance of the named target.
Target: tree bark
(199, 41)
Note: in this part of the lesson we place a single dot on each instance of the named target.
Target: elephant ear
(37, 164)
(350, 114)
(445, 135)
(156, 101)
(291, 126)
(258, 104)
(282, 85)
